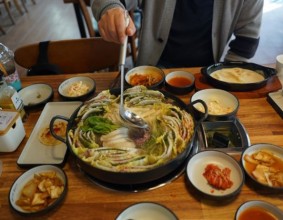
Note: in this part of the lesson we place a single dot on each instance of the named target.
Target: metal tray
(228, 136)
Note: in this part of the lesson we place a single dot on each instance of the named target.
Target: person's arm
(110, 15)
(247, 32)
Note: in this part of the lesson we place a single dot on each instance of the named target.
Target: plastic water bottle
(7, 67)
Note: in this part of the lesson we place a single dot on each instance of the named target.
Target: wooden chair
(92, 31)
(8, 4)
(73, 56)
(2, 30)
(24, 4)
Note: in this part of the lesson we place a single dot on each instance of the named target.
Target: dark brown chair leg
(24, 5)
(7, 6)
(2, 30)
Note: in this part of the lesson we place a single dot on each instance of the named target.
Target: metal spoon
(129, 117)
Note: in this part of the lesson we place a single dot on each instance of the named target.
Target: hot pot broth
(100, 138)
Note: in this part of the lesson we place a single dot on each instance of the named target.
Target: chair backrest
(73, 56)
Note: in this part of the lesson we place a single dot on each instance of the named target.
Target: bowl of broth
(179, 82)
(259, 210)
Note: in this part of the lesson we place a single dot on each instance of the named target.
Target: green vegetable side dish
(98, 125)
(100, 138)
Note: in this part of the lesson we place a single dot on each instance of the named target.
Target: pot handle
(51, 125)
(205, 110)
(271, 71)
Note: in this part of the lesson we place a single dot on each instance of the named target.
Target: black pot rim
(137, 177)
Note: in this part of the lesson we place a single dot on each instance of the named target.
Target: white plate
(198, 163)
(36, 94)
(36, 153)
(147, 211)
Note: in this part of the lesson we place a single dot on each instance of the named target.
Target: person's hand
(112, 26)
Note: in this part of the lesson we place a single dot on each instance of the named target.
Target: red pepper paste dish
(215, 174)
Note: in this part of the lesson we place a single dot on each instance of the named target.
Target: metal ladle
(132, 119)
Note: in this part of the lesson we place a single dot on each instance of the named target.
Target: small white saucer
(36, 94)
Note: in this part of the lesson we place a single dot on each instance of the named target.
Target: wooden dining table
(87, 200)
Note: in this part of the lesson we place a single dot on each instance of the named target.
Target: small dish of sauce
(179, 82)
(259, 210)
(257, 213)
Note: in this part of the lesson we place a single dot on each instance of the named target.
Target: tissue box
(12, 131)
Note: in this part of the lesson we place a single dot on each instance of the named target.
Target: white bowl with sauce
(264, 173)
(222, 105)
(179, 82)
(77, 88)
(147, 210)
(199, 175)
(256, 209)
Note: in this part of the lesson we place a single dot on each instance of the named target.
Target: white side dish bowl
(196, 168)
(19, 184)
(179, 82)
(222, 105)
(262, 206)
(77, 88)
(147, 210)
(36, 94)
(264, 177)
(149, 76)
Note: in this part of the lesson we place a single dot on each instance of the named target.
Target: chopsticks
(117, 79)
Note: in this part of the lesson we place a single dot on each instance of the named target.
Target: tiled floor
(54, 20)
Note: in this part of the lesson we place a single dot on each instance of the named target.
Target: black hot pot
(129, 178)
